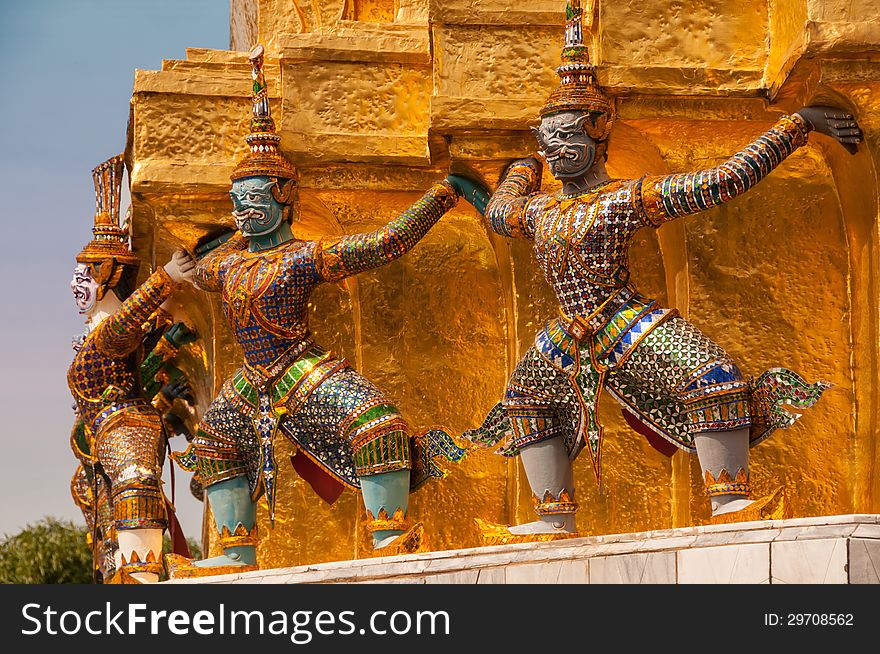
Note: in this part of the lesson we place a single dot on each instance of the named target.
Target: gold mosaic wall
(378, 98)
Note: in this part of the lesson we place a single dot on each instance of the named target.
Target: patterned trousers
(676, 379)
(130, 448)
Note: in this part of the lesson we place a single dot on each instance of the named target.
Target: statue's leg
(531, 401)
(130, 451)
(382, 460)
(684, 368)
(550, 476)
(222, 470)
(346, 406)
(386, 497)
(720, 452)
(235, 518)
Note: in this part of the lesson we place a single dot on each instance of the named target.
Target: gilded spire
(578, 89)
(263, 158)
(110, 239)
(574, 25)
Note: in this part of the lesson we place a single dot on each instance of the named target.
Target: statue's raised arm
(349, 255)
(506, 212)
(660, 199)
(122, 331)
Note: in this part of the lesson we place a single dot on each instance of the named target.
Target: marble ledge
(827, 549)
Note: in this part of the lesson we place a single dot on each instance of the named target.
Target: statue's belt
(609, 334)
(263, 376)
(295, 383)
(115, 407)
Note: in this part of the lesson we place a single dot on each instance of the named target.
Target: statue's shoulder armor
(299, 260)
(300, 251)
(87, 362)
(538, 204)
(229, 260)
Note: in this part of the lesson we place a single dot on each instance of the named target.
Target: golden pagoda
(376, 99)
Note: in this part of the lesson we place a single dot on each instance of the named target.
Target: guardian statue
(673, 382)
(346, 431)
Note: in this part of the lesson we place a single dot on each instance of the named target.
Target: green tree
(54, 552)
(48, 552)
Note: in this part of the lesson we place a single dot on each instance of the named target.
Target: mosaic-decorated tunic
(671, 379)
(121, 429)
(334, 415)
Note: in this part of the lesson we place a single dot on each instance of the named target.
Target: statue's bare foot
(180, 567)
(531, 532)
(732, 506)
(232, 559)
(386, 541)
(564, 525)
(409, 542)
(741, 509)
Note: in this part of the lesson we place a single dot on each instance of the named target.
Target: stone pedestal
(841, 549)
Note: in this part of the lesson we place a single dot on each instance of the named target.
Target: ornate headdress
(110, 240)
(263, 157)
(578, 89)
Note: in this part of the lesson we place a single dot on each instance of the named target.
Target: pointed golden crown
(742, 477)
(110, 240)
(383, 521)
(263, 157)
(135, 558)
(578, 89)
(241, 536)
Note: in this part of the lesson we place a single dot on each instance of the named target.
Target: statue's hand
(471, 190)
(209, 244)
(173, 390)
(174, 308)
(839, 124)
(179, 335)
(182, 267)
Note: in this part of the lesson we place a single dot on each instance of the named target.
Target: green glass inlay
(80, 436)
(295, 373)
(372, 414)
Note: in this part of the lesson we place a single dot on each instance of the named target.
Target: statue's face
(85, 288)
(255, 211)
(565, 145)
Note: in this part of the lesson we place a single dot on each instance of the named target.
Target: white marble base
(824, 550)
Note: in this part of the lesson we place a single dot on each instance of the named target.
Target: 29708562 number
(809, 619)
(820, 619)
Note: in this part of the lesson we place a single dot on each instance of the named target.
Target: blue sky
(66, 74)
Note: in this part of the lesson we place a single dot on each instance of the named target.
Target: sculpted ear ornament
(536, 132)
(283, 191)
(104, 271)
(580, 120)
